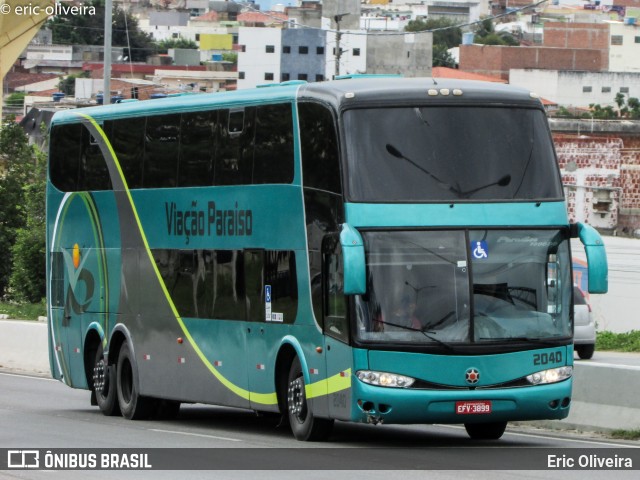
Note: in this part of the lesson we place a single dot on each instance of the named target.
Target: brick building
(567, 46)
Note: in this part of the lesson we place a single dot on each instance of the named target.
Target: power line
(330, 30)
(351, 32)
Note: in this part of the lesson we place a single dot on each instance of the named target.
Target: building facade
(304, 55)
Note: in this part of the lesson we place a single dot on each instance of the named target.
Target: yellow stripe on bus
(336, 383)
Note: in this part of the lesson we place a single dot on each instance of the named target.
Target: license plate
(475, 407)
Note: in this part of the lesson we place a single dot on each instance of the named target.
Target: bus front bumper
(373, 404)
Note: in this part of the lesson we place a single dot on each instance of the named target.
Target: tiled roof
(18, 79)
(258, 17)
(445, 72)
(211, 16)
(44, 93)
(626, 3)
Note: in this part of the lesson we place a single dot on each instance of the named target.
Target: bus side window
(127, 138)
(162, 142)
(197, 149)
(319, 148)
(94, 174)
(57, 279)
(273, 159)
(254, 284)
(234, 157)
(335, 303)
(65, 156)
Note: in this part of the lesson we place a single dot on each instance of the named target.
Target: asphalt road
(41, 413)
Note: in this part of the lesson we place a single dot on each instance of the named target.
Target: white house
(624, 46)
(577, 89)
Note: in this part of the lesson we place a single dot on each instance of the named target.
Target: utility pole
(338, 19)
(108, 14)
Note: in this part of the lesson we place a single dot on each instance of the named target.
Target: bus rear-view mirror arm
(355, 276)
(597, 266)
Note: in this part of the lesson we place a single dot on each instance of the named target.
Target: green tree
(18, 161)
(29, 250)
(445, 31)
(442, 57)
(67, 85)
(76, 29)
(634, 107)
(445, 36)
(486, 34)
(16, 99)
(602, 113)
(163, 46)
(230, 57)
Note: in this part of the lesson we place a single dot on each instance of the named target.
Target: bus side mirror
(355, 277)
(597, 266)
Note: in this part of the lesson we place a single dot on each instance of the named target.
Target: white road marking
(609, 365)
(548, 437)
(176, 432)
(24, 375)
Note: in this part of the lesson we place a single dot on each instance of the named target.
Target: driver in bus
(405, 315)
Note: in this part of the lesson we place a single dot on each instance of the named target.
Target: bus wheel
(132, 405)
(104, 384)
(485, 431)
(304, 425)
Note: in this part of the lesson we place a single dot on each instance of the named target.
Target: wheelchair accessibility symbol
(479, 250)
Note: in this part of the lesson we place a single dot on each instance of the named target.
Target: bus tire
(104, 378)
(304, 425)
(132, 405)
(485, 431)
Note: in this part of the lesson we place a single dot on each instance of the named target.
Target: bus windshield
(448, 153)
(465, 287)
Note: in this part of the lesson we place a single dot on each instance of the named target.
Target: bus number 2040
(546, 358)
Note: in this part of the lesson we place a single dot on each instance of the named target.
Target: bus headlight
(553, 375)
(384, 379)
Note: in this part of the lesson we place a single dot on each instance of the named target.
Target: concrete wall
(409, 55)
(330, 8)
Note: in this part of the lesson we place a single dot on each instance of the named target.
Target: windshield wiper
(501, 182)
(422, 331)
(398, 154)
(437, 340)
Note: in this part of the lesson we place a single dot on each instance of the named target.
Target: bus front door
(336, 330)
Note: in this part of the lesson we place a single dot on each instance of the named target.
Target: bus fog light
(384, 379)
(553, 375)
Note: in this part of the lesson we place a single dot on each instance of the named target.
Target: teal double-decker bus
(379, 250)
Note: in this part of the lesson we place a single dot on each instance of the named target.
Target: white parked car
(584, 334)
